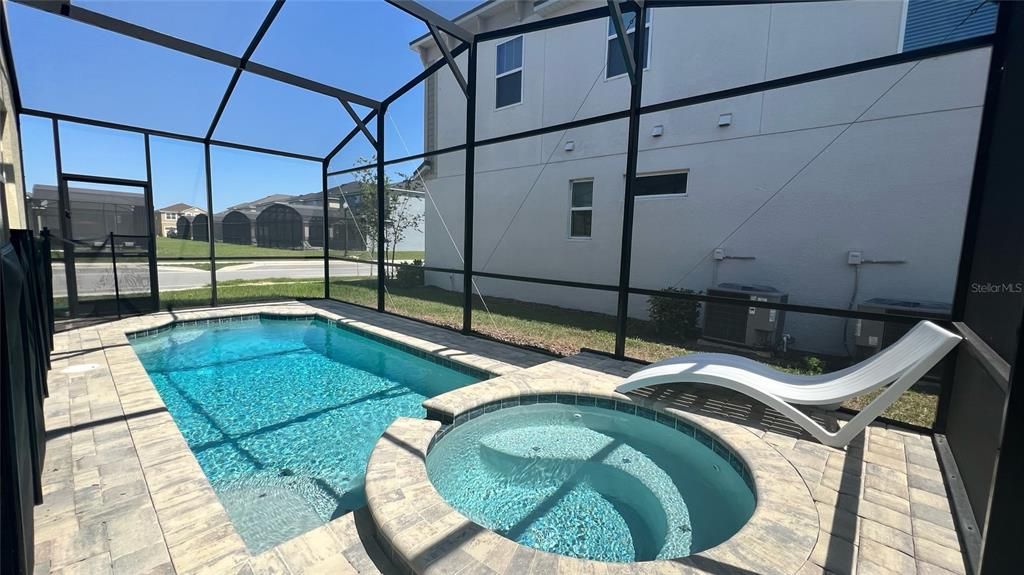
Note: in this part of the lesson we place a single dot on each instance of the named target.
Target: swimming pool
(589, 480)
(282, 414)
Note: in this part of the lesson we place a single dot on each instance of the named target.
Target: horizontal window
(660, 184)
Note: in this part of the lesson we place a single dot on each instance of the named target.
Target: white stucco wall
(413, 239)
(893, 186)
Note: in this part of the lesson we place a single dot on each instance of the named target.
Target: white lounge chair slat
(899, 366)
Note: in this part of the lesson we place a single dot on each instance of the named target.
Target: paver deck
(124, 494)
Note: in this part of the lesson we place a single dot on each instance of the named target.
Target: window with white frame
(581, 208)
(615, 64)
(661, 184)
(508, 80)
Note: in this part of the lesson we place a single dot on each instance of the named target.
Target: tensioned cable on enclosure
(543, 166)
(451, 238)
(359, 230)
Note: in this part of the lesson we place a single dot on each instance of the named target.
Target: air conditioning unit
(872, 335)
(753, 327)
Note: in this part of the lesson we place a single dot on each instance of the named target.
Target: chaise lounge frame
(899, 366)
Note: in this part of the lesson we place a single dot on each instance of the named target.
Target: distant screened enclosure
(280, 226)
(237, 228)
(184, 228)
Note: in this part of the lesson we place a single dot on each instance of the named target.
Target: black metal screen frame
(378, 110)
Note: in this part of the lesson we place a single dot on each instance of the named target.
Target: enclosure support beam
(154, 277)
(432, 18)
(381, 209)
(622, 40)
(327, 234)
(423, 75)
(209, 211)
(352, 134)
(163, 134)
(997, 186)
(85, 16)
(256, 39)
(65, 225)
(632, 151)
(443, 47)
(467, 238)
(5, 45)
(360, 124)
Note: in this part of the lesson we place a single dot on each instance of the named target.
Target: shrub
(676, 318)
(407, 277)
(813, 365)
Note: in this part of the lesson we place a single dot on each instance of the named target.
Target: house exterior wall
(166, 222)
(893, 186)
(10, 155)
(413, 238)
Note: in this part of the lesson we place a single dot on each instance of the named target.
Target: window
(931, 22)
(660, 184)
(616, 63)
(508, 82)
(581, 208)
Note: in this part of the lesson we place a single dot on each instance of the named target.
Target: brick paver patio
(124, 494)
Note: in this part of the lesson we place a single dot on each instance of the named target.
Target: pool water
(590, 482)
(282, 414)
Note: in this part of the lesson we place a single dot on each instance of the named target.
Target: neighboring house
(738, 190)
(167, 218)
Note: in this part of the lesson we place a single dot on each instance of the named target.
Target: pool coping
(426, 535)
(345, 325)
(198, 532)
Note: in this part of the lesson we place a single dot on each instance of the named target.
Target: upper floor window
(664, 184)
(616, 63)
(581, 208)
(931, 22)
(508, 83)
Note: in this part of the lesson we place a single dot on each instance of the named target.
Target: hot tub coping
(426, 535)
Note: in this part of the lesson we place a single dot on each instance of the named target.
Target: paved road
(96, 279)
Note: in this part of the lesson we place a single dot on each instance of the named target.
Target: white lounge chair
(900, 366)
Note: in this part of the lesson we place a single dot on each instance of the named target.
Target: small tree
(400, 218)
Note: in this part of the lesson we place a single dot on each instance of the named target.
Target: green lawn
(176, 248)
(399, 255)
(242, 291)
(560, 330)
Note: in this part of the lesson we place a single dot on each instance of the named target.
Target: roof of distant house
(265, 200)
(179, 207)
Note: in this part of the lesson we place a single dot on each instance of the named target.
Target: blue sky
(357, 45)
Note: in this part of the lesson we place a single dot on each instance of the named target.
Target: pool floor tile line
(123, 493)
